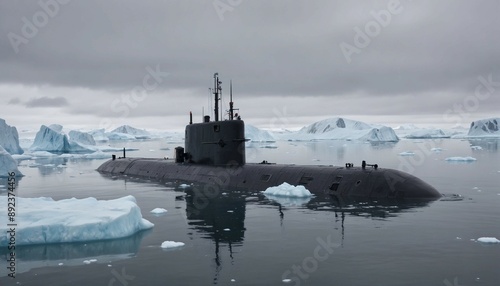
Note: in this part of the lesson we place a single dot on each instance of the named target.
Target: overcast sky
(90, 64)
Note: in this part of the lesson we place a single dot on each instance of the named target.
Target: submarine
(214, 155)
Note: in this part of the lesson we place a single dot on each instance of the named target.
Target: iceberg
(81, 137)
(52, 139)
(9, 138)
(484, 128)
(258, 135)
(8, 165)
(44, 220)
(343, 129)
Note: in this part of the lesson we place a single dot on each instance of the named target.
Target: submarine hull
(332, 180)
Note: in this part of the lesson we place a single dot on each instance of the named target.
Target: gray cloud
(14, 101)
(47, 102)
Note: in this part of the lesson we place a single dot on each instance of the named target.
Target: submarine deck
(318, 179)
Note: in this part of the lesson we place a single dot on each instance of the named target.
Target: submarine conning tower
(215, 142)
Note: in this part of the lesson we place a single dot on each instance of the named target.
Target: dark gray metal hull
(340, 181)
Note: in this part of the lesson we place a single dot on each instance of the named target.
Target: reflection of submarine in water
(221, 218)
(214, 153)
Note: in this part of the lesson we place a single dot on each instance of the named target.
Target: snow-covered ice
(171, 244)
(9, 138)
(461, 159)
(488, 240)
(44, 220)
(7, 165)
(158, 211)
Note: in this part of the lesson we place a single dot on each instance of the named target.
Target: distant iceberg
(52, 139)
(9, 138)
(485, 128)
(43, 220)
(343, 129)
(426, 133)
(137, 133)
(7, 165)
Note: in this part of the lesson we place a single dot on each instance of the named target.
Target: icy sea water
(247, 239)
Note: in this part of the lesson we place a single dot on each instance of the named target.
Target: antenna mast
(231, 110)
(217, 92)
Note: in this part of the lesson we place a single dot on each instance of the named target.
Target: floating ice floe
(406, 153)
(184, 186)
(89, 261)
(171, 244)
(476, 147)
(437, 149)
(158, 211)
(43, 220)
(488, 240)
(22, 157)
(287, 190)
(461, 159)
(288, 195)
